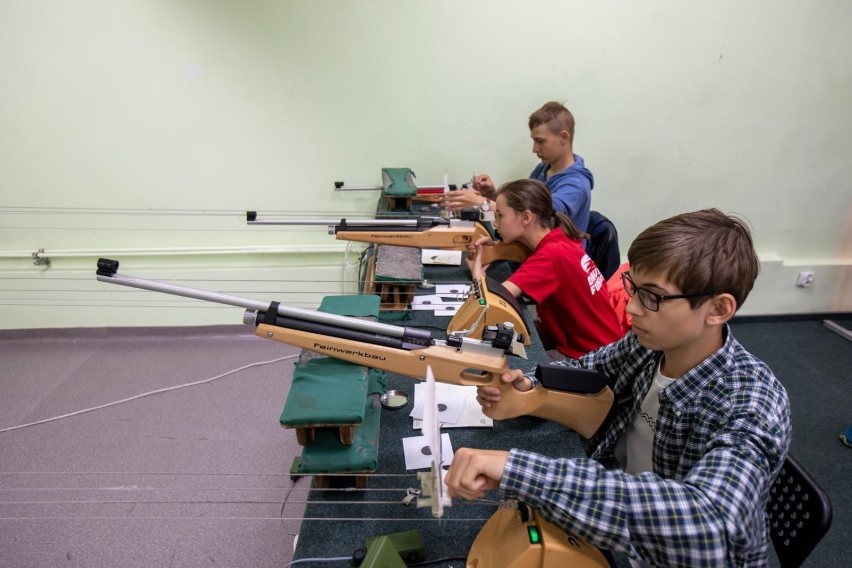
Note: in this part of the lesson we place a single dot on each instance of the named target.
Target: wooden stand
(321, 481)
(330, 481)
(394, 296)
(308, 434)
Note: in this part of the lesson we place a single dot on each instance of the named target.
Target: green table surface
(338, 522)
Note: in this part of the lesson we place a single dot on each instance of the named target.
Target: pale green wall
(154, 124)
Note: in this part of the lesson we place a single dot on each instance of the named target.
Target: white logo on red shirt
(593, 275)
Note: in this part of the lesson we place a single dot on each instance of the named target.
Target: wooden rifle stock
(440, 237)
(583, 413)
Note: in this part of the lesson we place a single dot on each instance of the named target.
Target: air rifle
(580, 405)
(488, 304)
(421, 232)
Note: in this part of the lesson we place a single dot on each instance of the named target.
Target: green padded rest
(398, 182)
(325, 392)
(354, 305)
(326, 454)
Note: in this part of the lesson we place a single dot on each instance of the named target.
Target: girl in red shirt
(574, 310)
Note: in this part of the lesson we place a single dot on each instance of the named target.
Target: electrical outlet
(805, 279)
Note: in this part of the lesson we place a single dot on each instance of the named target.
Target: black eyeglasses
(651, 300)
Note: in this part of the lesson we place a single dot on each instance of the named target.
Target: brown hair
(700, 252)
(555, 116)
(533, 196)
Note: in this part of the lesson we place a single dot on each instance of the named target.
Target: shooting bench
(400, 195)
(398, 190)
(335, 407)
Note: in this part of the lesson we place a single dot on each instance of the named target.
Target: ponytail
(533, 196)
(571, 231)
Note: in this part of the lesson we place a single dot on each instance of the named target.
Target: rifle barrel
(252, 219)
(260, 306)
(368, 222)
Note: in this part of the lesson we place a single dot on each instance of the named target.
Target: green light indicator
(535, 536)
(482, 301)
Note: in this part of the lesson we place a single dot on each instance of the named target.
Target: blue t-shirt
(571, 189)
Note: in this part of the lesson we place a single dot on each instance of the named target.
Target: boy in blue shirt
(563, 171)
(700, 428)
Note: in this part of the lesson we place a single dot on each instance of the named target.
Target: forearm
(463, 198)
(641, 516)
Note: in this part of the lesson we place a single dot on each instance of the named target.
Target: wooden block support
(328, 481)
(395, 296)
(395, 204)
(306, 435)
(321, 481)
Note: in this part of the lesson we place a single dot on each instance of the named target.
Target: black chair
(799, 514)
(602, 246)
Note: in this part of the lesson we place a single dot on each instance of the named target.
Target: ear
(722, 309)
(565, 137)
(527, 217)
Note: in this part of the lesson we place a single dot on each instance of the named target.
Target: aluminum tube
(286, 311)
(354, 222)
(246, 249)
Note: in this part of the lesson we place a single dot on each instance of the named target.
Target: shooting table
(338, 522)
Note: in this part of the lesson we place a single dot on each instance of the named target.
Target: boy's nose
(634, 306)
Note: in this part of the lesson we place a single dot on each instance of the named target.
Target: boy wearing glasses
(700, 427)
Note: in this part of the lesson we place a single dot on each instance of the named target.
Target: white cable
(335, 559)
(343, 268)
(150, 393)
(347, 265)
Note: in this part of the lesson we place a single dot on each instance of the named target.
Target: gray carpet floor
(188, 477)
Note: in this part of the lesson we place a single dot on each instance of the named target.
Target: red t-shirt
(570, 292)
(619, 298)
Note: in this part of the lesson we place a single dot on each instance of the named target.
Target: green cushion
(325, 392)
(398, 182)
(354, 305)
(326, 454)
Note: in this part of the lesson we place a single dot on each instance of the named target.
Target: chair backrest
(799, 514)
(603, 244)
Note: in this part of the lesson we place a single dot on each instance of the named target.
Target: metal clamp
(39, 260)
(411, 496)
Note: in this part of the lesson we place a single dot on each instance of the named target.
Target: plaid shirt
(723, 432)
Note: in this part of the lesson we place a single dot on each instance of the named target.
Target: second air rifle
(572, 398)
(420, 232)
